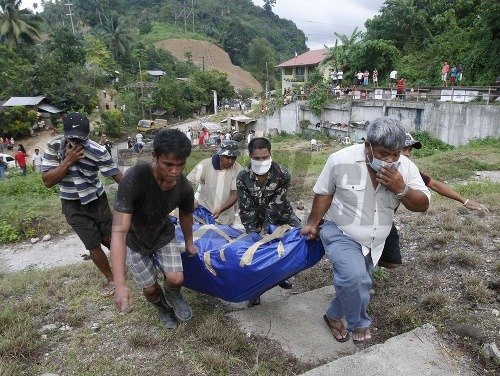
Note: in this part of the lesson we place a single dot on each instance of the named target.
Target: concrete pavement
(295, 321)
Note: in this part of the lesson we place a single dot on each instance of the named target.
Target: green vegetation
(69, 298)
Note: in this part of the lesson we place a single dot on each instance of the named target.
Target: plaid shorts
(144, 268)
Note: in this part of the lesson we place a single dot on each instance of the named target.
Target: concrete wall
(453, 123)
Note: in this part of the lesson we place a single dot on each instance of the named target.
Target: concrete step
(295, 321)
(420, 352)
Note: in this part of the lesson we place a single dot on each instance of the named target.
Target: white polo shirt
(361, 211)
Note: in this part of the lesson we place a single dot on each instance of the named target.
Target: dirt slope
(214, 57)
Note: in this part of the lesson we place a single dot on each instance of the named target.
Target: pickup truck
(151, 125)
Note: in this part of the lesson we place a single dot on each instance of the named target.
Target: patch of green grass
(430, 145)
(434, 301)
(170, 31)
(465, 259)
(70, 296)
(476, 291)
(436, 259)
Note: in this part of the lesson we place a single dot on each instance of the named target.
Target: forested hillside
(422, 34)
(104, 43)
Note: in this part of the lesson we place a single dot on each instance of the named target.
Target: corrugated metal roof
(156, 72)
(49, 108)
(313, 57)
(23, 101)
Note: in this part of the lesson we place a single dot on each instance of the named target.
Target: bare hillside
(214, 57)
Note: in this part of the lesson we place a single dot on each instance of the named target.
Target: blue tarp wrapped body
(235, 266)
(203, 215)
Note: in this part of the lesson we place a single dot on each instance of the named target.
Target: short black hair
(258, 143)
(172, 141)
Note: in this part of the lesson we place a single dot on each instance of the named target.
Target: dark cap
(410, 141)
(229, 148)
(76, 126)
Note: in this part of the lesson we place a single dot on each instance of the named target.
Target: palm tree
(118, 36)
(17, 25)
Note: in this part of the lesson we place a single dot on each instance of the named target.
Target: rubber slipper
(337, 329)
(360, 341)
(108, 291)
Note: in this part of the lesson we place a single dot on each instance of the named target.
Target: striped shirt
(82, 180)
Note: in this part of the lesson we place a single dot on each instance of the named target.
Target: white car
(11, 163)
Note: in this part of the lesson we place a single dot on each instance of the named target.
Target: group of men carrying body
(355, 199)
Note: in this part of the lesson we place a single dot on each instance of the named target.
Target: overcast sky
(319, 19)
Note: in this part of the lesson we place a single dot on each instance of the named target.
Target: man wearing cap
(391, 254)
(73, 161)
(217, 176)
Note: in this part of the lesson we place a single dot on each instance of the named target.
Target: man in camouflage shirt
(262, 194)
(262, 190)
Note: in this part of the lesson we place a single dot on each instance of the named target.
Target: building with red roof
(294, 72)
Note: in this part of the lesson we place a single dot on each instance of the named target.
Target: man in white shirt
(217, 176)
(37, 161)
(340, 76)
(356, 195)
(394, 77)
(250, 136)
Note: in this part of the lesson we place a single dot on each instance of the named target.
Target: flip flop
(108, 291)
(337, 329)
(361, 341)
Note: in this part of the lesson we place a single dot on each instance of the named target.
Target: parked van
(150, 125)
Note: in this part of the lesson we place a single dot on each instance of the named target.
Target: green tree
(168, 96)
(318, 97)
(98, 59)
(379, 54)
(268, 5)
(348, 44)
(17, 121)
(112, 122)
(67, 86)
(211, 80)
(118, 36)
(14, 72)
(261, 61)
(66, 46)
(17, 26)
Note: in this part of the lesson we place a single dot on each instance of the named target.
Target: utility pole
(142, 90)
(69, 5)
(267, 78)
(202, 63)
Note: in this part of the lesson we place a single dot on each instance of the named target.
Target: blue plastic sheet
(236, 267)
(203, 215)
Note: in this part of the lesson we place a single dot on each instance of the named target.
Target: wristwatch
(400, 195)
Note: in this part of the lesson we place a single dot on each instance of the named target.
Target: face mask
(376, 163)
(261, 167)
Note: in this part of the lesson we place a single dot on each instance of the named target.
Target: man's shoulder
(352, 152)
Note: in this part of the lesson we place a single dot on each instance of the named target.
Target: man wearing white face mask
(262, 190)
(262, 193)
(356, 195)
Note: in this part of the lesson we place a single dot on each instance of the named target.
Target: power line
(324, 23)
